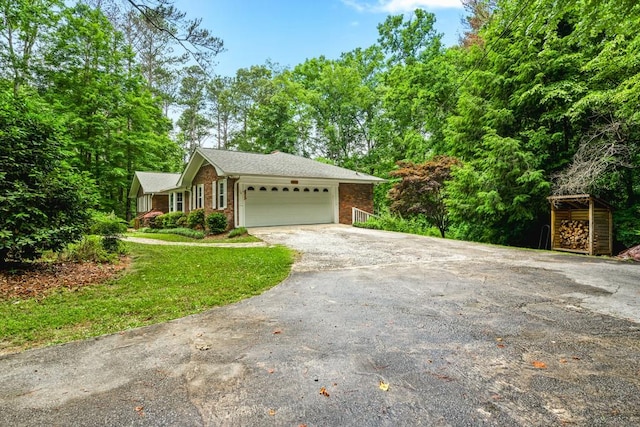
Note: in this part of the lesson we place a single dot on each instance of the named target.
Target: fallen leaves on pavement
(383, 386)
(539, 365)
(324, 392)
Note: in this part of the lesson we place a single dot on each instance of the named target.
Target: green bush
(182, 221)
(217, 223)
(158, 222)
(186, 232)
(110, 227)
(236, 232)
(171, 219)
(195, 219)
(417, 225)
(44, 202)
(89, 249)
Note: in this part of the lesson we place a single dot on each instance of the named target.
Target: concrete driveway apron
(371, 328)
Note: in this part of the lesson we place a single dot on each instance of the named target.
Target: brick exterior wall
(207, 175)
(354, 195)
(160, 202)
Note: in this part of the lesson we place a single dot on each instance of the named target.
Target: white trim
(243, 182)
(200, 196)
(222, 193)
(144, 203)
(214, 186)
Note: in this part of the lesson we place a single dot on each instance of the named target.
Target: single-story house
(150, 190)
(260, 189)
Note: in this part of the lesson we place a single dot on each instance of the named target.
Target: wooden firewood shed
(582, 224)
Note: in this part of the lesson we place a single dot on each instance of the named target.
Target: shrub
(149, 219)
(195, 219)
(388, 222)
(110, 227)
(182, 221)
(89, 249)
(217, 223)
(158, 222)
(171, 219)
(44, 202)
(236, 232)
(186, 232)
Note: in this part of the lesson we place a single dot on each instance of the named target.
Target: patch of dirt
(36, 280)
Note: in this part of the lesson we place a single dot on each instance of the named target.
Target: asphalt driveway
(457, 333)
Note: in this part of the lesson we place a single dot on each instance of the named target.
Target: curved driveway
(460, 333)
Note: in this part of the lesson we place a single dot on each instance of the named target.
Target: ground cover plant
(163, 283)
(389, 222)
(171, 235)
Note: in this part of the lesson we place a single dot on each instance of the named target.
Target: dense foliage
(44, 203)
(217, 223)
(539, 97)
(420, 190)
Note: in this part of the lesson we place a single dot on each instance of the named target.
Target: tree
(222, 110)
(44, 203)
(194, 124)
(498, 195)
(22, 24)
(420, 191)
(114, 124)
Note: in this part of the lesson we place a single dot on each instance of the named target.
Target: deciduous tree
(420, 190)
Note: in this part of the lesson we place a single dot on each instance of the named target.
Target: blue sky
(290, 31)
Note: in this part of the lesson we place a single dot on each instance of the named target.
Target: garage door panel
(263, 208)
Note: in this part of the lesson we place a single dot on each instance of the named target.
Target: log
(574, 235)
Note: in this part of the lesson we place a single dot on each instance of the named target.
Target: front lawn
(164, 283)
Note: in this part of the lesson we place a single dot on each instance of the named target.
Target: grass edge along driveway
(163, 283)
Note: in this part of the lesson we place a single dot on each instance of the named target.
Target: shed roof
(577, 201)
(278, 164)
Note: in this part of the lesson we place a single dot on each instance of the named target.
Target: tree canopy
(539, 97)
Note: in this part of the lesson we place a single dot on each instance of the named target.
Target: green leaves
(43, 203)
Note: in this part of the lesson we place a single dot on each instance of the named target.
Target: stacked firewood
(574, 234)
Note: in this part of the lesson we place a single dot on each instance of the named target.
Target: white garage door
(287, 205)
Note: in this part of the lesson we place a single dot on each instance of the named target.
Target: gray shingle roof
(279, 165)
(156, 182)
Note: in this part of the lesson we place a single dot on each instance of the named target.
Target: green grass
(164, 283)
(178, 238)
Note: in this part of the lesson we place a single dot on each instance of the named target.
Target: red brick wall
(160, 202)
(206, 175)
(354, 195)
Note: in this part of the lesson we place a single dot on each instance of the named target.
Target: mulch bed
(36, 280)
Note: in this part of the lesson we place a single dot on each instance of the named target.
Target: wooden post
(553, 225)
(610, 232)
(591, 226)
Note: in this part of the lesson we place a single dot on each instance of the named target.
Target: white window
(175, 201)
(199, 198)
(222, 194)
(179, 203)
(214, 186)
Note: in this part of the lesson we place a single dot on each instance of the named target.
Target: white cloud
(401, 6)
